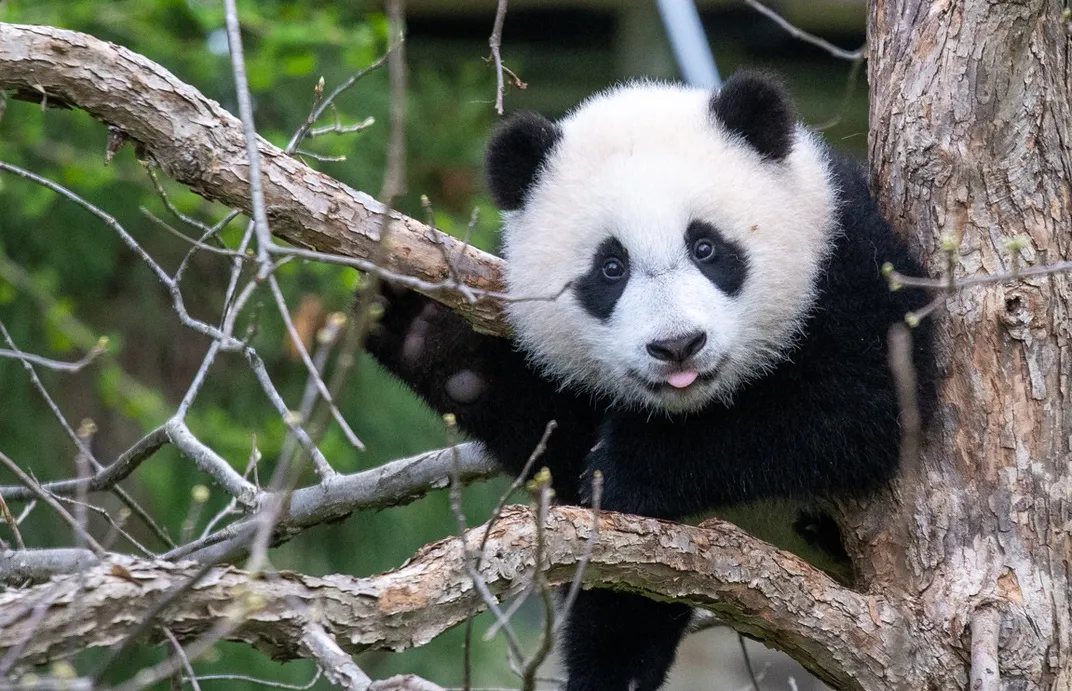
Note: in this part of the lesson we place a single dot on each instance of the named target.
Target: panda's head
(682, 231)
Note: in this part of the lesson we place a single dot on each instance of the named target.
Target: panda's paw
(429, 347)
(398, 337)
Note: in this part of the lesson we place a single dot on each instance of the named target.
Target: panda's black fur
(822, 422)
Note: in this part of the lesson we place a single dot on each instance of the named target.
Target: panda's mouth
(679, 380)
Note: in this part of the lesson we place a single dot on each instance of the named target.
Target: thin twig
(850, 88)
(339, 128)
(405, 281)
(537, 452)
(946, 284)
(472, 559)
(326, 338)
(310, 366)
(103, 479)
(265, 682)
(53, 504)
(177, 301)
(339, 668)
(181, 654)
(5, 513)
(186, 238)
(37, 384)
(113, 523)
(748, 662)
(206, 231)
(245, 110)
(320, 464)
(210, 462)
(85, 435)
(547, 638)
(799, 33)
(575, 586)
(495, 43)
(321, 106)
(57, 365)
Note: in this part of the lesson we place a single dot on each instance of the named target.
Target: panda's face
(683, 255)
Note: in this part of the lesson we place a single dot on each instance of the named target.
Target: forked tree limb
(851, 640)
(199, 144)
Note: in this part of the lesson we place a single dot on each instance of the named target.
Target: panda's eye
(703, 250)
(613, 269)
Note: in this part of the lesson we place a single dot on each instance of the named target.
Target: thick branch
(849, 639)
(201, 145)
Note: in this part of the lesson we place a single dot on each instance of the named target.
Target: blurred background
(66, 280)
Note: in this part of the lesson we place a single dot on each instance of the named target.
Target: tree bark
(848, 638)
(971, 121)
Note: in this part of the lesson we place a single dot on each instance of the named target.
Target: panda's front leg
(486, 384)
(619, 641)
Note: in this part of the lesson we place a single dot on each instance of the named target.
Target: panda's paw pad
(465, 386)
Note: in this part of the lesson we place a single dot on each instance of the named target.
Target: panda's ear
(756, 107)
(515, 153)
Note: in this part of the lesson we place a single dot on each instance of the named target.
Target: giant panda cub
(718, 335)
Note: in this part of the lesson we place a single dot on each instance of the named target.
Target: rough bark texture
(971, 124)
(198, 143)
(849, 638)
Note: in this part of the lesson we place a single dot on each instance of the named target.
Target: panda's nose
(679, 348)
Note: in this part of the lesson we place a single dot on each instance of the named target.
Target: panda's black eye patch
(599, 289)
(722, 261)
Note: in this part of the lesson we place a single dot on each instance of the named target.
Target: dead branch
(199, 144)
(851, 640)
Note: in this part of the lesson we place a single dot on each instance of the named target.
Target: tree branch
(849, 639)
(390, 484)
(202, 146)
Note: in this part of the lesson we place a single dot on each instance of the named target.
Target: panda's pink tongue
(679, 380)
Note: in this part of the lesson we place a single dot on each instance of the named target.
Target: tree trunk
(971, 122)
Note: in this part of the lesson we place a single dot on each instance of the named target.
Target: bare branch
(172, 287)
(32, 485)
(35, 565)
(56, 365)
(391, 484)
(310, 366)
(104, 479)
(799, 33)
(12, 522)
(245, 109)
(321, 106)
(495, 43)
(210, 462)
(338, 667)
(181, 655)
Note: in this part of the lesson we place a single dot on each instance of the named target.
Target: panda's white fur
(639, 162)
